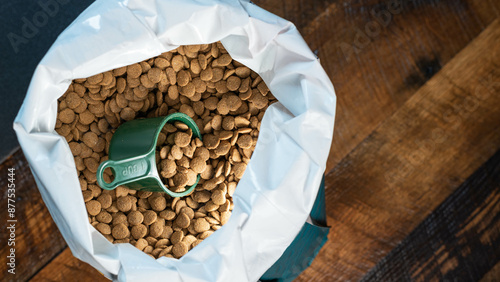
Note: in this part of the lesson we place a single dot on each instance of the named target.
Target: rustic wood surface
(413, 174)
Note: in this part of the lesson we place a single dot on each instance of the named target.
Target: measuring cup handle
(124, 171)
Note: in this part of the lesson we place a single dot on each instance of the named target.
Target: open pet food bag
(275, 196)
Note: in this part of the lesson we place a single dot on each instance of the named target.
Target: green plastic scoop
(132, 155)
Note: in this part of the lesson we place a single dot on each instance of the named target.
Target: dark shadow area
(29, 29)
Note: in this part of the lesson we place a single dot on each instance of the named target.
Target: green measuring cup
(132, 156)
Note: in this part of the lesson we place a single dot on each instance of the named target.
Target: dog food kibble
(180, 249)
(120, 231)
(135, 217)
(226, 100)
(93, 207)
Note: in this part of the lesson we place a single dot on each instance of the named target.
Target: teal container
(132, 155)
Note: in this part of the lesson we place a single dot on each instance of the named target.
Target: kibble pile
(226, 100)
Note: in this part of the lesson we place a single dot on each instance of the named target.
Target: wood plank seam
(460, 238)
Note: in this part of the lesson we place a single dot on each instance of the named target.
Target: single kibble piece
(93, 207)
(135, 217)
(158, 203)
(179, 249)
(198, 165)
(182, 139)
(149, 217)
(182, 220)
(201, 225)
(120, 231)
(139, 231)
(124, 203)
(103, 228)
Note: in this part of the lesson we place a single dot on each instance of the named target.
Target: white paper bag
(275, 195)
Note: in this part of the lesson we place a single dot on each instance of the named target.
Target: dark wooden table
(413, 176)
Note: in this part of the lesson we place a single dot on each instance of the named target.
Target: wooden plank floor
(412, 180)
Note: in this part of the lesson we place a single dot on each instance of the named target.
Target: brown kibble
(183, 78)
(239, 169)
(124, 203)
(210, 141)
(167, 232)
(176, 152)
(231, 187)
(162, 63)
(187, 210)
(223, 148)
(119, 217)
(241, 122)
(127, 114)
(262, 87)
(103, 228)
(95, 79)
(149, 217)
(189, 91)
(218, 197)
(182, 139)
(135, 218)
(222, 107)
(134, 71)
(67, 116)
(154, 75)
(105, 200)
(141, 243)
(144, 194)
(91, 164)
(167, 214)
(93, 207)
(202, 196)
(207, 74)
(180, 179)
(228, 123)
(209, 184)
(192, 203)
(179, 249)
(158, 203)
(176, 237)
(168, 165)
(201, 225)
(156, 229)
(120, 231)
(211, 206)
(151, 240)
(104, 217)
(203, 153)
(177, 63)
(198, 165)
(205, 234)
(243, 72)
(224, 60)
(182, 220)
(73, 100)
(90, 139)
(233, 83)
(139, 231)
(148, 250)
(245, 141)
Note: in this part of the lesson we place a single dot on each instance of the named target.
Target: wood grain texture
(65, 267)
(378, 57)
(459, 240)
(412, 162)
(37, 238)
(492, 275)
